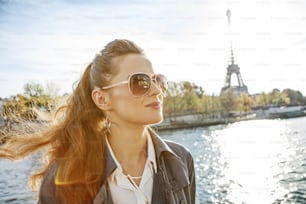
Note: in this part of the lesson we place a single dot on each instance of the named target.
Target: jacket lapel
(159, 190)
(175, 170)
(104, 195)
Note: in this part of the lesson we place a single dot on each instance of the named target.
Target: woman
(103, 150)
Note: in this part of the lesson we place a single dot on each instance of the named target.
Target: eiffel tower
(233, 68)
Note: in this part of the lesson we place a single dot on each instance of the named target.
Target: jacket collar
(159, 145)
(172, 174)
(176, 172)
(110, 164)
(103, 195)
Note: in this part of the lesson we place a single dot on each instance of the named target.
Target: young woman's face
(127, 108)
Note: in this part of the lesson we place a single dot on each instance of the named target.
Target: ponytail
(81, 162)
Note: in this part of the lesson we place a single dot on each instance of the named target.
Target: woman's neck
(130, 148)
(128, 143)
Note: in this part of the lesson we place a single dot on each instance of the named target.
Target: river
(248, 162)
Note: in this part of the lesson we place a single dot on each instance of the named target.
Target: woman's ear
(101, 99)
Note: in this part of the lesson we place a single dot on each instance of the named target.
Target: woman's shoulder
(179, 149)
(47, 188)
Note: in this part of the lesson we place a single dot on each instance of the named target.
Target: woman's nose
(155, 88)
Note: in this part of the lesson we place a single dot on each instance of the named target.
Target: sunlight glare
(252, 160)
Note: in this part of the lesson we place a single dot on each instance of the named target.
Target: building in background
(233, 69)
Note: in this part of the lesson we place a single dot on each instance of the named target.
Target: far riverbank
(178, 121)
(201, 120)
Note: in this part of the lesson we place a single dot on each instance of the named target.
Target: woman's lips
(155, 105)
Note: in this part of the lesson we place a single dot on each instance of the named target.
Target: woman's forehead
(134, 63)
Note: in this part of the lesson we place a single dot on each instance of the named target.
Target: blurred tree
(186, 97)
(51, 89)
(245, 103)
(33, 89)
(260, 100)
(229, 101)
(278, 98)
(296, 97)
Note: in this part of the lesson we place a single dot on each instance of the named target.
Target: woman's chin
(156, 121)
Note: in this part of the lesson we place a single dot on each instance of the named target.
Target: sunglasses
(140, 83)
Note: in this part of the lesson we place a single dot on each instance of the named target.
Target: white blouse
(122, 187)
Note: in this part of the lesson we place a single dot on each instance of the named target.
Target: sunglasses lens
(162, 82)
(140, 84)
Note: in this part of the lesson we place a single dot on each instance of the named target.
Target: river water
(248, 162)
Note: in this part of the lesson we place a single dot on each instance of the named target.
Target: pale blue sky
(53, 40)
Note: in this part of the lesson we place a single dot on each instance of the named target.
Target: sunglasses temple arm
(114, 85)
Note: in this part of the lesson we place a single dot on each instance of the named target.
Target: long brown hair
(76, 142)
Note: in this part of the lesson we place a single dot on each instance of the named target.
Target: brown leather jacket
(174, 182)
